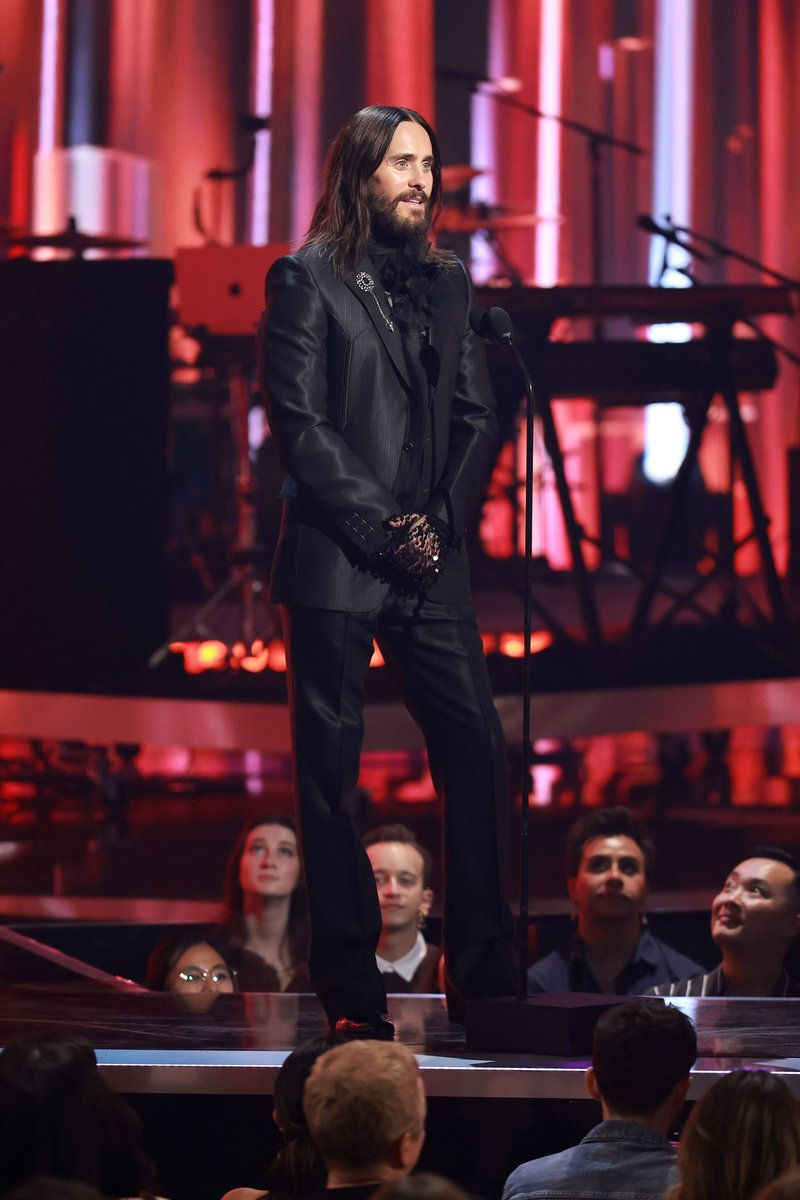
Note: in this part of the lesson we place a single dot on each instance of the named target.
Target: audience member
(608, 860)
(424, 1186)
(402, 869)
(742, 1134)
(265, 925)
(59, 1117)
(188, 964)
(785, 1187)
(641, 1058)
(298, 1171)
(365, 1107)
(50, 1187)
(754, 921)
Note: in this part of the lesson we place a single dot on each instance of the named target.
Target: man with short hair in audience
(402, 869)
(608, 860)
(754, 921)
(365, 1107)
(641, 1058)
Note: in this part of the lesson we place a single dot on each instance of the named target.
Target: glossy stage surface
(159, 1043)
(156, 1043)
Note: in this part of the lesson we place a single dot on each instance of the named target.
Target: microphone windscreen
(500, 327)
(648, 224)
(479, 321)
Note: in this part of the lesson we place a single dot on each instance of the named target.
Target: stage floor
(160, 1043)
(233, 1045)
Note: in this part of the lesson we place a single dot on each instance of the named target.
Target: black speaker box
(555, 1023)
(84, 381)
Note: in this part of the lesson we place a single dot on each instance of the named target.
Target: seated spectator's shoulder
(550, 973)
(676, 965)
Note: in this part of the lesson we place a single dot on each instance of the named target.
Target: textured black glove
(413, 558)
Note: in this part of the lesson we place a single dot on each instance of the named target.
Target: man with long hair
(382, 414)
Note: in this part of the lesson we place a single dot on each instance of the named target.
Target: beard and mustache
(393, 227)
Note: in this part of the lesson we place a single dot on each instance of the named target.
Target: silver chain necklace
(367, 284)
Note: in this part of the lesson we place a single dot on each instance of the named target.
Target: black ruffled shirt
(408, 280)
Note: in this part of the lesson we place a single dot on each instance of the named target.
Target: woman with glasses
(189, 965)
(264, 931)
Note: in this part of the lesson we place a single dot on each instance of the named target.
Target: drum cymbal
(70, 239)
(476, 217)
(457, 176)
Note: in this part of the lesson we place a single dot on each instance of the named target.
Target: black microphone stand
(676, 235)
(496, 326)
(596, 140)
(557, 1023)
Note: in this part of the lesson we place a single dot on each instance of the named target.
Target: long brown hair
(296, 938)
(342, 220)
(742, 1134)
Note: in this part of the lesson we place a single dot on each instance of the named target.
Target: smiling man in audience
(754, 922)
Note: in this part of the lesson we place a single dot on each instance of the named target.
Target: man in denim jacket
(641, 1059)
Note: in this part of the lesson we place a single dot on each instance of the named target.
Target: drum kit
(70, 239)
(455, 219)
(485, 220)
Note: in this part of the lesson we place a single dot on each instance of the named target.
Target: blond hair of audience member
(365, 1107)
(740, 1136)
(785, 1187)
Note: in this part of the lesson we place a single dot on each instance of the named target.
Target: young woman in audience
(740, 1136)
(298, 1170)
(58, 1117)
(189, 965)
(264, 933)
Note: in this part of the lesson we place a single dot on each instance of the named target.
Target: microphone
(493, 324)
(648, 225)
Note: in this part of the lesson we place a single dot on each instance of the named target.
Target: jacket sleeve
(293, 371)
(472, 440)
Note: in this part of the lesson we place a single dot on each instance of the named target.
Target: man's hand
(414, 557)
(418, 553)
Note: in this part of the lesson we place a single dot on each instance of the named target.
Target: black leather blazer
(338, 391)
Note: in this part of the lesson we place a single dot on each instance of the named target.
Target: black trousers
(434, 652)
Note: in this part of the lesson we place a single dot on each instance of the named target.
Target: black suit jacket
(338, 391)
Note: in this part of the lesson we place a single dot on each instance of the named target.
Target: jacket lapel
(371, 297)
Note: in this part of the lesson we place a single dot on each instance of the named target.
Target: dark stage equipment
(221, 295)
(625, 373)
(85, 382)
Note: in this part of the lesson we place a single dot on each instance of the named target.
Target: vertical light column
(665, 434)
(307, 81)
(400, 54)
(549, 537)
(548, 153)
(483, 148)
(50, 76)
(263, 44)
(47, 207)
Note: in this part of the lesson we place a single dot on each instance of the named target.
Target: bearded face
(400, 189)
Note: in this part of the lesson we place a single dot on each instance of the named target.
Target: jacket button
(408, 447)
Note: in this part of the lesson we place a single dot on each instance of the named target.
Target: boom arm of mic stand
(729, 252)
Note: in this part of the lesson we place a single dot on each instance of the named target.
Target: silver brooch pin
(367, 284)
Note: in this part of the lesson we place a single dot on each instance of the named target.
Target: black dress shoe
(378, 1028)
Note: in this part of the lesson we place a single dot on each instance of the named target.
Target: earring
(422, 919)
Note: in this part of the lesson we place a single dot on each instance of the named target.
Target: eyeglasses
(196, 977)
